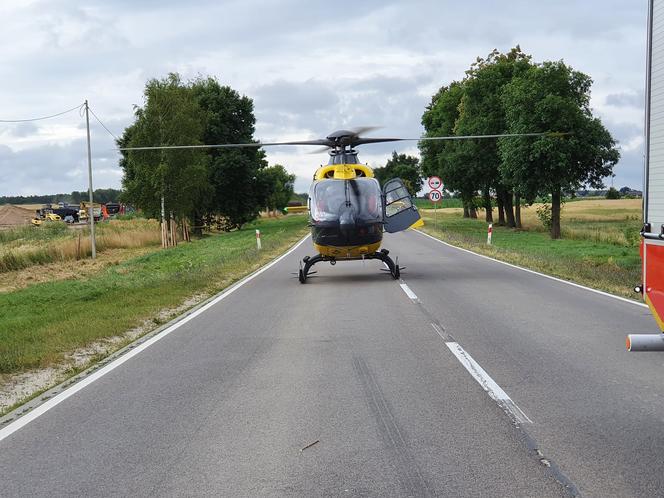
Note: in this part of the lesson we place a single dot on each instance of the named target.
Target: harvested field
(24, 247)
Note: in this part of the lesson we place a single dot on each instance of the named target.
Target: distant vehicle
(83, 211)
(47, 213)
(67, 212)
(112, 208)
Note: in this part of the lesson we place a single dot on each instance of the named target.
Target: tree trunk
(517, 210)
(501, 209)
(509, 211)
(472, 210)
(469, 209)
(198, 224)
(487, 205)
(555, 214)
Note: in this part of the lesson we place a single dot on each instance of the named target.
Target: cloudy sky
(311, 68)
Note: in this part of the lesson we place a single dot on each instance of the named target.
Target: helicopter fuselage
(346, 211)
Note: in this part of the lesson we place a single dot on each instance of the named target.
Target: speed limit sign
(435, 182)
(435, 196)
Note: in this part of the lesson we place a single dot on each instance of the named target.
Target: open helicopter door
(400, 212)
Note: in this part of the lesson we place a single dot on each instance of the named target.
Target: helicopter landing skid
(382, 255)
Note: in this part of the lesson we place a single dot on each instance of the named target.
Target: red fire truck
(652, 242)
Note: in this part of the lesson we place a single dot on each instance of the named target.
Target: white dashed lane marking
(408, 292)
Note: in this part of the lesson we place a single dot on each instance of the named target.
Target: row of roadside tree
(510, 94)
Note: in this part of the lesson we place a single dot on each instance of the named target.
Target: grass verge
(43, 322)
(588, 256)
(31, 246)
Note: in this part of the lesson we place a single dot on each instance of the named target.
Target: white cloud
(309, 69)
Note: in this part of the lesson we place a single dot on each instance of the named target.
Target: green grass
(444, 203)
(41, 323)
(46, 232)
(599, 254)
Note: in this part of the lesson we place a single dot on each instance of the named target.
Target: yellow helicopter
(348, 209)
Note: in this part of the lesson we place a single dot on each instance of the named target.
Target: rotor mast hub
(341, 147)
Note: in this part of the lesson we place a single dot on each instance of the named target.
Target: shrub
(612, 193)
(544, 215)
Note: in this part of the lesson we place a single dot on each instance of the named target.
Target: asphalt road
(227, 403)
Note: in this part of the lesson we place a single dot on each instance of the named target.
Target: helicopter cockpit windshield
(333, 200)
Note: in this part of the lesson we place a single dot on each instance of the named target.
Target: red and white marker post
(488, 233)
(258, 239)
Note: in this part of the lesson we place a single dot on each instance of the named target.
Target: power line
(103, 125)
(40, 118)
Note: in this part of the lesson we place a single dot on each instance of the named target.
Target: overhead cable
(103, 125)
(42, 117)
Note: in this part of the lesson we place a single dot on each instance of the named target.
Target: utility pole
(91, 212)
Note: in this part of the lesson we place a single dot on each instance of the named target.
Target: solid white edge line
(488, 384)
(408, 292)
(573, 284)
(46, 406)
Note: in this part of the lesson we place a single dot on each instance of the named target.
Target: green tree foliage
(301, 197)
(195, 182)
(553, 97)
(612, 193)
(473, 107)
(481, 112)
(170, 116)
(233, 174)
(508, 93)
(277, 185)
(446, 158)
(402, 166)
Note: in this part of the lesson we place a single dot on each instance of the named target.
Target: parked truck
(651, 286)
(84, 210)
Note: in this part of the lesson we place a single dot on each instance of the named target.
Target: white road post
(488, 234)
(258, 239)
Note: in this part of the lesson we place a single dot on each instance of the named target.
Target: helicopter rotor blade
(374, 140)
(322, 141)
(498, 135)
(320, 150)
(361, 130)
(327, 143)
